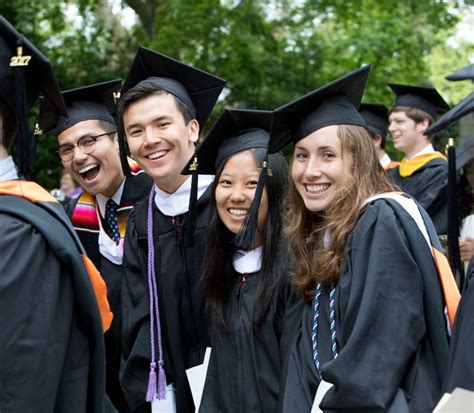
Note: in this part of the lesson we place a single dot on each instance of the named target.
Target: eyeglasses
(86, 144)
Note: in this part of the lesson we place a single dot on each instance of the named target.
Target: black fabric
(390, 324)
(52, 354)
(247, 362)
(465, 73)
(333, 104)
(424, 98)
(461, 361)
(376, 117)
(184, 326)
(429, 186)
(84, 103)
(135, 189)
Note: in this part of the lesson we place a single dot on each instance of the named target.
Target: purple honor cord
(151, 393)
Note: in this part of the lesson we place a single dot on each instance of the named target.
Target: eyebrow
(158, 119)
(85, 135)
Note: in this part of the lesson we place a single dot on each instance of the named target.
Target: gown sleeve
(380, 323)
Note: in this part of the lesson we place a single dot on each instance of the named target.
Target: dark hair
(464, 194)
(373, 134)
(107, 127)
(8, 125)
(218, 268)
(142, 91)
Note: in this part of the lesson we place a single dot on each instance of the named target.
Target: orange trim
(391, 165)
(450, 289)
(100, 290)
(26, 189)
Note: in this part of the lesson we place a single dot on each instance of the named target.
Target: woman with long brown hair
(373, 336)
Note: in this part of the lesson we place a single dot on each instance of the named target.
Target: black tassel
(123, 147)
(190, 233)
(21, 113)
(246, 236)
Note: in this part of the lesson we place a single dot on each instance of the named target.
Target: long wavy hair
(305, 229)
(218, 268)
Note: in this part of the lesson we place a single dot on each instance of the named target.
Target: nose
(313, 169)
(237, 195)
(391, 126)
(79, 155)
(151, 137)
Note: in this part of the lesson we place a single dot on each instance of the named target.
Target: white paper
(323, 388)
(168, 404)
(459, 401)
(197, 378)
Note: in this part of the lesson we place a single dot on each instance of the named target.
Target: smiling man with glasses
(88, 149)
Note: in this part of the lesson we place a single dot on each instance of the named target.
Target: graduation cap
(376, 118)
(463, 108)
(424, 98)
(466, 73)
(235, 131)
(93, 102)
(464, 152)
(25, 73)
(333, 104)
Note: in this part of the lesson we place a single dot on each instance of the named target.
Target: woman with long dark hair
(247, 292)
(373, 337)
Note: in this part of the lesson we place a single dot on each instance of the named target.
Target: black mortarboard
(25, 73)
(463, 108)
(466, 73)
(424, 98)
(235, 131)
(376, 117)
(195, 89)
(83, 103)
(464, 152)
(333, 104)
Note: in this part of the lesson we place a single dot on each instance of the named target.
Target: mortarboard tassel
(123, 147)
(19, 63)
(189, 236)
(246, 236)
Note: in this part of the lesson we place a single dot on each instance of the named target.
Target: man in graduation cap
(51, 296)
(423, 173)
(89, 151)
(376, 118)
(163, 106)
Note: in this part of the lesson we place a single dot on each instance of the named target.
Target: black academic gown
(390, 326)
(461, 348)
(184, 327)
(135, 189)
(51, 341)
(429, 186)
(246, 365)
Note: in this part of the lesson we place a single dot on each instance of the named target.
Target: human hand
(466, 249)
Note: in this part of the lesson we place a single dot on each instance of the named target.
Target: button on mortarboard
(333, 104)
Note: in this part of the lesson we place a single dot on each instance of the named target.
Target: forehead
(240, 163)
(151, 107)
(397, 115)
(74, 133)
(321, 138)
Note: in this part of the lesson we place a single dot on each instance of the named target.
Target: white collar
(248, 262)
(385, 160)
(427, 149)
(8, 170)
(102, 199)
(177, 203)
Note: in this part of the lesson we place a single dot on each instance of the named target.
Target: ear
(193, 126)
(423, 125)
(377, 141)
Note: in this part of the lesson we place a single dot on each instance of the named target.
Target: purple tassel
(151, 390)
(161, 381)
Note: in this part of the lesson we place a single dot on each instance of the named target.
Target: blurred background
(269, 51)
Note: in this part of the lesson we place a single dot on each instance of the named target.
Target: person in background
(89, 152)
(51, 297)
(423, 173)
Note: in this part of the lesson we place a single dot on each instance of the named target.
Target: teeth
(87, 168)
(238, 212)
(317, 189)
(157, 155)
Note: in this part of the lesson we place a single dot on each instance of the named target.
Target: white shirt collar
(385, 160)
(427, 149)
(102, 199)
(248, 262)
(177, 203)
(8, 170)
